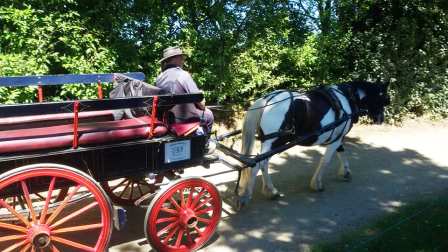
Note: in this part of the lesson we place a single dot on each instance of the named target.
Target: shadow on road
(383, 180)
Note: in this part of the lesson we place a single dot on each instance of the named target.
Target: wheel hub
(39, 236)
(188, 219)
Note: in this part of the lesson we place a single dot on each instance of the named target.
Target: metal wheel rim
(213, 202)
(20, 175)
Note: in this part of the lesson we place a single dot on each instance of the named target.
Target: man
(175, 80)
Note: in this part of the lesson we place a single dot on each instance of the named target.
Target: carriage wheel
(82, 221)
(126, 191)
(17, 202)
(183, 216)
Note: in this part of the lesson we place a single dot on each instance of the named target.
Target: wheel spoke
(43, 214)
(119, 184)
(168, 227)
(205, 210)
(72, 244)
(174, 202)
(15, 246)
(162, 220)
(179, 237)
(77, 228)
(74, 214)
(140, 189)
(169, 210)
(12, 238)
(13, 227)
(54, 248)
(63, 204)
(182, 198)
(197, 198)
(170, 235)
(203, 220)
(132, 191)
(124, 190)
(198, 231)
(190, 197)
(25, 249)
(28, 201)
(11, 210)
(189, 238)
(203, 203)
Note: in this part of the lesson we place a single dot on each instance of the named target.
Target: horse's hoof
(318, 189)
(239, 204)
(277, 196)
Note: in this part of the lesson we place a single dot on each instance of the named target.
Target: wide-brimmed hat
(171, 52)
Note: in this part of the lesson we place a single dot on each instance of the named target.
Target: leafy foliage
(237, 50)
(33, 42)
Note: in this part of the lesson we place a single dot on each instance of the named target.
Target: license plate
(177, 151)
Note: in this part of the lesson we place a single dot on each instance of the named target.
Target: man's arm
(191, 87)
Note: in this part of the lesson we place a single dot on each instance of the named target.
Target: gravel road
(391, 167)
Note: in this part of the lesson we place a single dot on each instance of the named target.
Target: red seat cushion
(89, 134)
(36, 121)
(184, 128)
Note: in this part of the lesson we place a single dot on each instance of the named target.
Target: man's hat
(171, 52)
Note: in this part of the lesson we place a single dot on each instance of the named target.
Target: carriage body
(53, 152)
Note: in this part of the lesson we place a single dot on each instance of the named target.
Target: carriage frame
(37, 184)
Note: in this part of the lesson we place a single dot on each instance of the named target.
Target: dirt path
(391, 166)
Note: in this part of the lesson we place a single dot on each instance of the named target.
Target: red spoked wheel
(183, 216)
(126, 191)
(82, 221)
(18, 202)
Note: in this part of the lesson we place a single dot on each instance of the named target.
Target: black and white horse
(322, 116)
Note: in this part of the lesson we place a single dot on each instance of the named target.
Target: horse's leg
(316, 181)
(268, 187)
(246, 185)
(344, 168)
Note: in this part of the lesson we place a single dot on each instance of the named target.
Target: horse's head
(373, 99)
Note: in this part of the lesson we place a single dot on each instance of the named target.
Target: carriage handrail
(61, 79)
(167, 100)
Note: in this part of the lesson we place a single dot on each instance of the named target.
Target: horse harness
(328, 93)
(290, 120)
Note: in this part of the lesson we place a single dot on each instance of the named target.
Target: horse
(321, 116)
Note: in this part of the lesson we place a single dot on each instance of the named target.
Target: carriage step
(120, 217)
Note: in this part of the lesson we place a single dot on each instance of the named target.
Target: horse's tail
(250, 126)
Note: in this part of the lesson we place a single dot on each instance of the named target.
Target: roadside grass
(420, 226)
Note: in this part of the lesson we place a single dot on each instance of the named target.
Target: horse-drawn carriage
(61, 164)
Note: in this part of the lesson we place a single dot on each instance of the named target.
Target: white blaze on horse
(322, 116)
